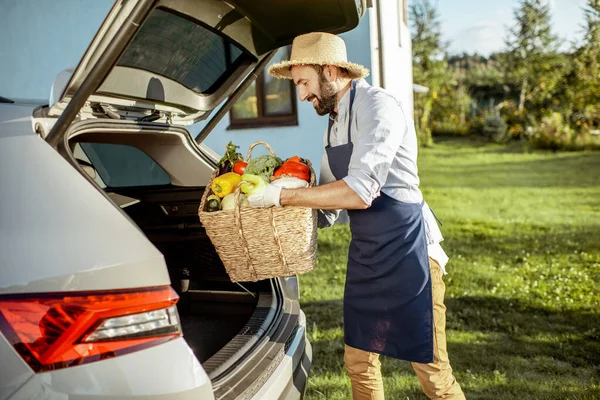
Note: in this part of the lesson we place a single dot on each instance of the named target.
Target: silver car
(109, 286)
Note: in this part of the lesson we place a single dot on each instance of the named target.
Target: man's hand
(267, 197)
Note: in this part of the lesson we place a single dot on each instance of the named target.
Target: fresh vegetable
(230, 158)
(297, 164)
(251, 182)
(244, 201)
(290, 183)
(225, 184)
(294, 169)
(263, 165)
(239, 167)
(213, 203)
(228, 202)
(297, 159)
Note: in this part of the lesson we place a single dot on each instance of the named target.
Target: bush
(585, 141)
(491, 126)
(552, 133)
(449, 128)
(516, 131)
(424, 137)
(476, 126)
(518, 122)
(495, 128)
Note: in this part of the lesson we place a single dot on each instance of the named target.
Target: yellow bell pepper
(225, 184)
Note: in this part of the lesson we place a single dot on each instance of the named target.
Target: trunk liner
(207, 334)
(217, 324)
(208, 325)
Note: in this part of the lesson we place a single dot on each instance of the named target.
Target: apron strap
(436, 217)
(352, 95)
(329, 131)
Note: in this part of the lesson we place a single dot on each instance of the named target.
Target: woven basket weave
(262, 243)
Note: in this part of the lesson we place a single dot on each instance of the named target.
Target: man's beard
(327, 100)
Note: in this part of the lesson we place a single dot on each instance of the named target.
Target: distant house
(271, 111)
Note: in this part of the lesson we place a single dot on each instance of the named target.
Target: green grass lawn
(523, 234)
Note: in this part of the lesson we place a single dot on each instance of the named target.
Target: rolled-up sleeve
(381, 127)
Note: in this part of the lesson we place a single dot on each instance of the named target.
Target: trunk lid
(177, 60)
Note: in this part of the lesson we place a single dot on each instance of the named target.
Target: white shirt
(384, 158)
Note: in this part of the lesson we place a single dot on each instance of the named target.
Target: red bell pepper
(295, 158)
(293, 168)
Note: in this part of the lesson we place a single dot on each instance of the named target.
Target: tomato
(239, 167)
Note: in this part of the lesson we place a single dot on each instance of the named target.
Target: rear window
(124, 166)
(183, 50)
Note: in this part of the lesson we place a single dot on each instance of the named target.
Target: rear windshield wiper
(5, 100)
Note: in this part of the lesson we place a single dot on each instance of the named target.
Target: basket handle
(207, 190)
(238, 224)
(253, 145)
(278, 243)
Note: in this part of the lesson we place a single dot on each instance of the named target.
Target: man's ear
(330, 73)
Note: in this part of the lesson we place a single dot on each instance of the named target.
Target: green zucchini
(213, 203)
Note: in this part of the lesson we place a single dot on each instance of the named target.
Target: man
(393, 299)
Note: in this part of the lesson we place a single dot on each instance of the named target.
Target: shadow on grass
(326, 314)
(484, 144)
(569, 336)
(513, 239)
(567, 172)
(520, 351)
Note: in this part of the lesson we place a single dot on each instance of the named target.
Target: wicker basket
(262, 243)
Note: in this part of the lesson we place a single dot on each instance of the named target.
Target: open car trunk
(218, 317)
(155, 174)
(240, 334)
(247, 338)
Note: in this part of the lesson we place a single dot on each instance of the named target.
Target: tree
(426, 36)
(483, 79)
(585, 90)
(429, 66)
(532, 55)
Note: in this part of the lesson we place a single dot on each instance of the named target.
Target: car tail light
(52, 331)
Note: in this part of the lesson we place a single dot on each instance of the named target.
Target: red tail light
(52, 331)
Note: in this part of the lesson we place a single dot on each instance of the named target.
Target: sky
(60, 40)
(481, 25)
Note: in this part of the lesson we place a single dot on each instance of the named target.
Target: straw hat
(318, 48)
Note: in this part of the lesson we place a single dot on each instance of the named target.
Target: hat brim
(282, 70)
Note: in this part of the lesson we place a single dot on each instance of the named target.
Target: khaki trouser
(437, 381)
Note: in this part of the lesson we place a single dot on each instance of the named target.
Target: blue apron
(388, 306)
